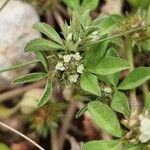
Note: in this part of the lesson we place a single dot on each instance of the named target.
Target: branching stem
(22, 135)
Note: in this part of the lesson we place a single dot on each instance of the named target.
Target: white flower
(60, 56)
(94, 36)
(77, 56)
(69, 37)
(80, 68)
(60, 66)
(67, 58)
(107, 90)
(144, 130)
(73, 78)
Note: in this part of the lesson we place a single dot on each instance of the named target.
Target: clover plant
(85, 56)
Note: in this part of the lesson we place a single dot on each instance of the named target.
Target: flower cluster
(71, 66)
(139, 127)
(144, 128)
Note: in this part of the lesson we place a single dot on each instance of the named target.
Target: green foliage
(102, 145)
(120, 103)
(134, 147)
(41, 45)
(139, 3)
(43, 59)
(89, 82)
(106, 66)
(86, 57)
(105, 118)
(80, 8)
(46, 95)
(147, 102)
(81, 111)
(32, 77)
(109, 23)
(48, 31)
(137, 77)
(96, 52)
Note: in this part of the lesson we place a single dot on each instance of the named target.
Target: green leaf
(134, 147)
(102, 145)
(147, 102)
(113, 78)
(95, 52)
(73, 4)
(41, 45)
(107, 65)
(48, 31)
(43, 59)
(105, 118)
(81, 111)
(109, 23)
(89, 82)
(137, 77)
(139, 3)
(32, 77)
(46, 95)
(120, 103)
(4, 146)
(89, 4)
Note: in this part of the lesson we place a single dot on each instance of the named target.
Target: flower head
(144, 129)
(80, 68)
(67, 58)
(108, 90)
(73, 78)
(60, 66)
(77, 56)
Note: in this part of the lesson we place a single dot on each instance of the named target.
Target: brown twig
(18, 91)
(66, 123)
(22, 135)
(54, 140)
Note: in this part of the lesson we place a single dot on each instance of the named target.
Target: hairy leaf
(32, 77)
(107, 65)
(48, 31)
(105, 118)
(41, 45)
(46, 95)
(120, 103)
(102, 145)
(137, 77)
(147, 102)
(43, 59)
(89, 82)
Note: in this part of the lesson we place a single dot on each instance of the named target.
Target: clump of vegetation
(86, 57)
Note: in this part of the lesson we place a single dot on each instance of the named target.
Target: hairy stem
(22, 135)
(134, 102)
(66, 123)
(21, 65)
(145, 89)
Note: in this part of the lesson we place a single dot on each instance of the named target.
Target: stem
(22, 135)
(66, 123)
(145, 89)
(54, 140)
(3, 6)
(21, 65)
(134, 102)
(118, 35)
